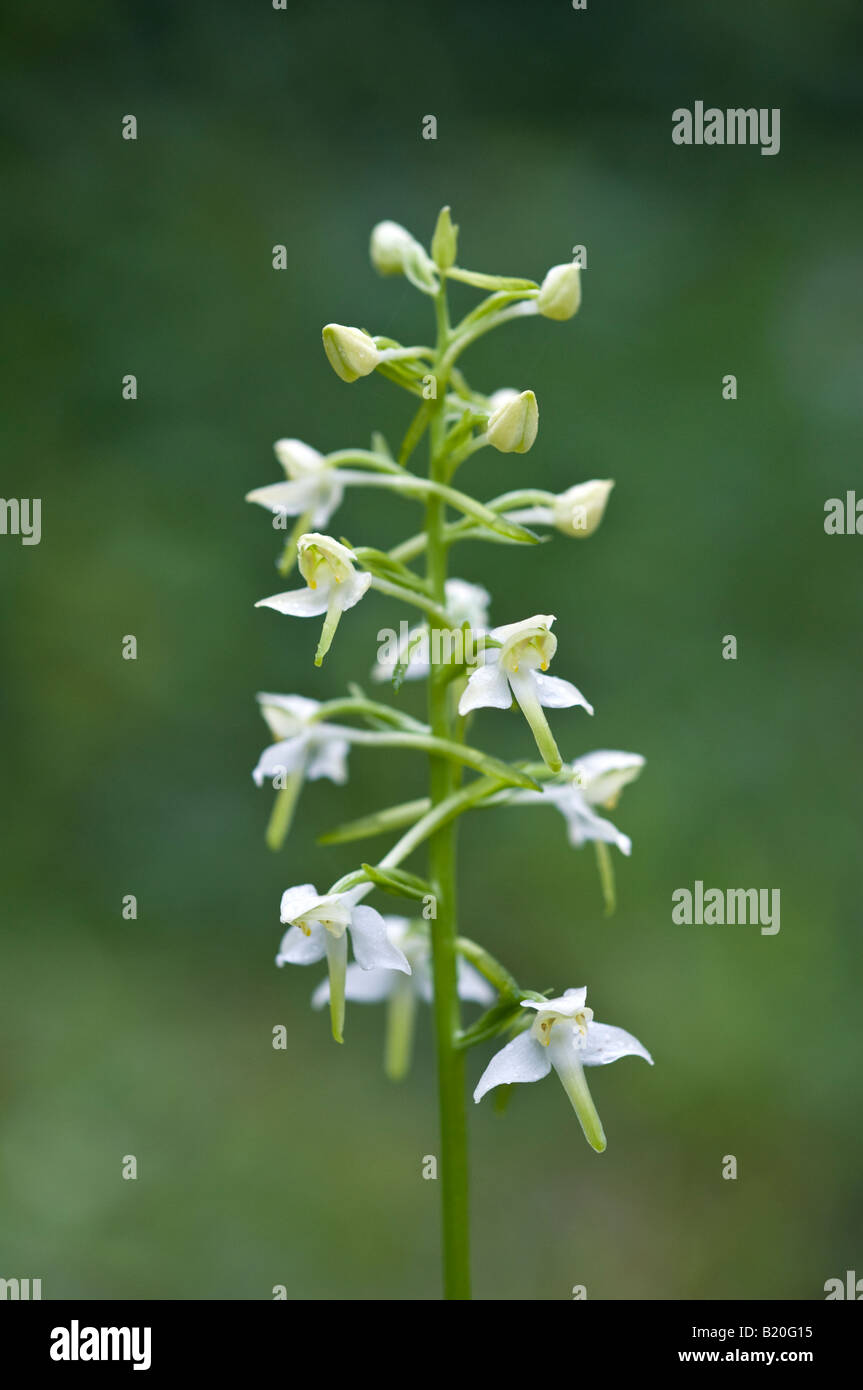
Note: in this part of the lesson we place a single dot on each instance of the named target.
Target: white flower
(563, 1036)
(465, 603)
(313, 489)
(311, 748)
(319, 927)
(333, 586)
(512, 425)
(511, 670)
(576, 512)
(560, 292)
(400, 993)
(350, 352)
(597, 779)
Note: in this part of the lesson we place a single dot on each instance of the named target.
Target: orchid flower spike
(318, 927)
(333, 585)
(305, 750)
(511, 670)
(313, 490)
(577, 512)
(597, 779)
(401, 993)
(465, 603)
(564, 1036)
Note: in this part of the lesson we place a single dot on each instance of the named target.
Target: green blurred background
(153, 1038)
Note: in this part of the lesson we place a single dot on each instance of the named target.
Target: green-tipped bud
(560, 293)
(444, 245)
(578, 511)
(350, 352)
(513, 424)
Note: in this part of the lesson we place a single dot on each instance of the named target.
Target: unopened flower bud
(351, 352)
(578, 511)
(390, 243)
(395, 252)
(512, 425)
(560, 293)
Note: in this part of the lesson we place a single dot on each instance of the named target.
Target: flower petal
(286, 714)
(280, 758)
(604, 773)
(523, 1059)
(328, 499)
(373, 949)
(296, 901)
(299, 949)
(503, 634)
(298, 603)
(329, 758)
(290, 499)
(568, 1004)
(487, 688)
(584, 824)
(605, 1043)
(554, 693)
(473, 986)
(351, 590)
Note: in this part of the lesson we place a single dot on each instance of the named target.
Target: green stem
(465, 529)
(437, 489)
(442, 853)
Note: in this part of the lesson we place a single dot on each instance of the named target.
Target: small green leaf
(378, 823)
(496, 1020)
(378, 562)
(397, 882)
(445, 241)
(490, 282)
(380, 445)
